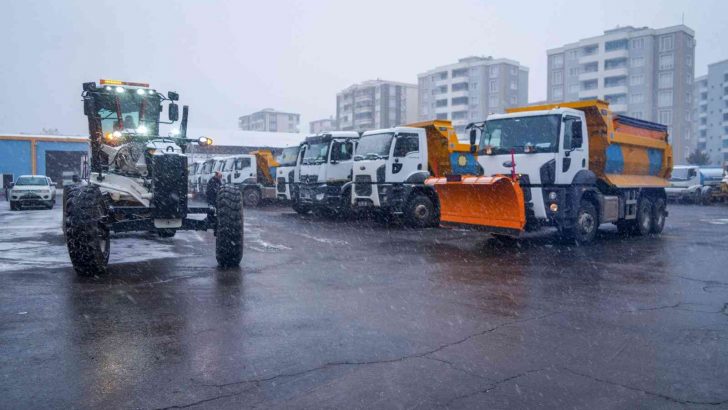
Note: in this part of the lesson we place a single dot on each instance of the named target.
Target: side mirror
(173, 112)
(473, 136)
(89, 108)
(172, 95)
(576, 136)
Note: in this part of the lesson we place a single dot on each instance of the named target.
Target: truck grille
(363, 185)
(309, 179)
(281, 184)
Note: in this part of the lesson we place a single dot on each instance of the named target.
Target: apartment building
(376, 104)
(270, 120)
(643, 72)
(711, 112)
(323, 125)
(470, 89)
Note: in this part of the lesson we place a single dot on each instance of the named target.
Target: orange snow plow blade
(494, 203)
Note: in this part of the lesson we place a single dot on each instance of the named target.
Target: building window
(638, 43)
(664, 117)
(637, 98)
(459, 101)
(493, 101)
(514, 84)
(638, 79)
(474, 85)
(572, 54)
(441, 116)
(557, 61)
(636, 114)
(460, 72)
(493, 71)
(589, 85)
(665, 80)
(514, 70)
(689, 61)
(666, 61)
(638, 61)
(615, 63)
(557, 77)
(493, 86)
(590, 49)
(573, 88)
(590, 67)
(616, 98)
(667, 42)
(616, 45)
(557, 93)
(441, 103)
(574, 71)
(664, 98)
(615, 81)
(460, 86)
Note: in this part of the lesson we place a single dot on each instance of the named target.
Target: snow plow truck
(571, 165)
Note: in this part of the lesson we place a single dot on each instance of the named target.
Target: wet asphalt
(333, 314)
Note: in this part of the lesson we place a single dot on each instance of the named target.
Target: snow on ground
(34, 239)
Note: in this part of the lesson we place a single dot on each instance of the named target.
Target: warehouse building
(49, 155)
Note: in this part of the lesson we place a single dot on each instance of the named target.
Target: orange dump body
(493, 203)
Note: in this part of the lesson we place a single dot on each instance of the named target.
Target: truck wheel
(166, 233)
(586, 224)
(658, 216)
(345, 210)
(68, 192)
(299, 208)
(251, 197)
(643, 223)
(229, 230)
(87, 239)
(420, 212)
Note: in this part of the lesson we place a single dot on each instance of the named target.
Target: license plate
(363, 203)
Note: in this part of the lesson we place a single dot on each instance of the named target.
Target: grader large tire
(251, 197)
(229, 231)
(87, 238)
(68, 192)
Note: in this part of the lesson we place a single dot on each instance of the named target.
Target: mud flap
(491, 203)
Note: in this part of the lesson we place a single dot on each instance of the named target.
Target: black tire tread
(83, 230)
(229, 233)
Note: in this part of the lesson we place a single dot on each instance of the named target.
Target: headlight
(319, 197)
(140, 91)
(553, 196)
(141, 129)
(119, 89)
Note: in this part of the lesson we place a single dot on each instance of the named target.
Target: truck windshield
(540, 133)
(374, 146)
(31, 181)
(288, 157)
(128, 112)
(681, 174)
(316, 153)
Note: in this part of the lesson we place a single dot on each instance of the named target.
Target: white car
(32, 190)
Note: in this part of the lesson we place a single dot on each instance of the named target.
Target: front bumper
(32, 199)
(388, 197)
(326, 196)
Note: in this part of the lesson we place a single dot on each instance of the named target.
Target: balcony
(591, 75)
(617, 89)
(617, 71)
(618, 108)
(622, 52)
(589, 58)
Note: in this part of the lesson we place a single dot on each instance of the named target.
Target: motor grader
(138, 179)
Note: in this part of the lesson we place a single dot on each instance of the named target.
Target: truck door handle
(565, 164)
(396, 167)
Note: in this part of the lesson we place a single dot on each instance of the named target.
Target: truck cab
(326, 162)
(686, 183)
(286, 172)
(547, 149)
(390, 167)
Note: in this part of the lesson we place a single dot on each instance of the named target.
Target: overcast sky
(232, 58)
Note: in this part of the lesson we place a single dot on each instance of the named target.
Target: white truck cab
(390, 167)
(325, 163)
(287, 172)
(686, 183)
(549, 149)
